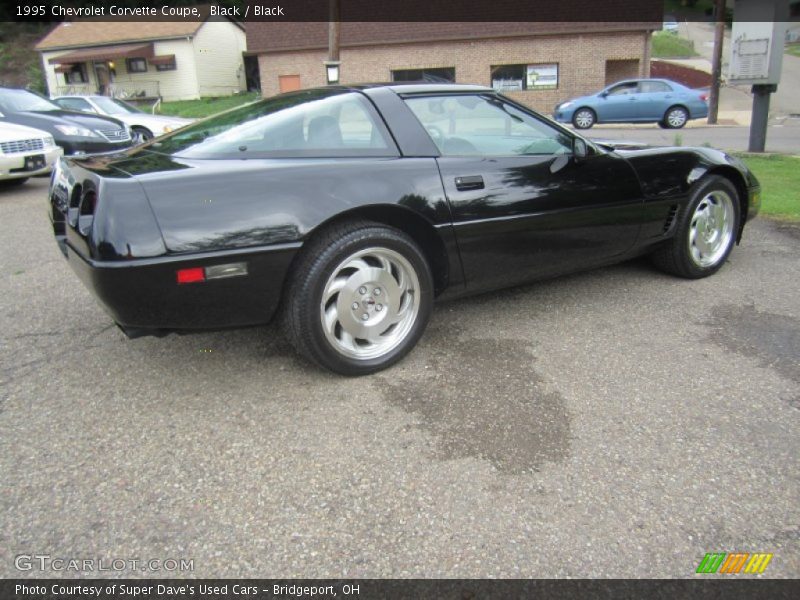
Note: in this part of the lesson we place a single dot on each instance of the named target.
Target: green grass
(780, 182)
(196, 109)
(794, 50)
(670, 45)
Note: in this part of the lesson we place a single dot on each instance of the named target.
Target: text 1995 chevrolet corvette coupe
(347, 210)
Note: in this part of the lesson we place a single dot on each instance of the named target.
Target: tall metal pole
(760, 117)
(716, 62)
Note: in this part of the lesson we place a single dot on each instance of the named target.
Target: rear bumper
(143, 296)
(699, 111)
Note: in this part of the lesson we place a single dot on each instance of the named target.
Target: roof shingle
(77, 34)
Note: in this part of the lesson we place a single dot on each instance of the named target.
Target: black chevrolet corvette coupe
(347, 210)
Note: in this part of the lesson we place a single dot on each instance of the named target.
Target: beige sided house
(536, 63)
(180, 60)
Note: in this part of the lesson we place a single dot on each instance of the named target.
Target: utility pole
(333, 30)
(332, 64)
(716, 62)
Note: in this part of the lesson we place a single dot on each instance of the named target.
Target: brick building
(536, 63)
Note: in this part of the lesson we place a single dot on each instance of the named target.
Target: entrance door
(104, 77)
(289, 83)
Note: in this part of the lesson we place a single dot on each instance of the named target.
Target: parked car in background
(346, 210)
(75, 132)
(670, 24)
(25, 152)
(661, 101)
(143, 126)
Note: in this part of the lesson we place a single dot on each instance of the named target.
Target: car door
(655, 97)
(619, 102)
(523, 207)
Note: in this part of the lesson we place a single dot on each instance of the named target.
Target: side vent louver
(671, 215)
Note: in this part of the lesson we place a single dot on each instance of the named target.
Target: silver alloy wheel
(370, 303)
(584, 118)
(676, 118)
(711, 229)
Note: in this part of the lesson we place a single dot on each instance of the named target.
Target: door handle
(470, 182)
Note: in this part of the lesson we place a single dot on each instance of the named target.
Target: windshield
(317, 123)
(112, 106)
(12, 101)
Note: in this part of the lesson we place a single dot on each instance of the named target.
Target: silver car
(143, 126)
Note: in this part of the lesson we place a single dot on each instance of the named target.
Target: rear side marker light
(199, 274)
(191, 275)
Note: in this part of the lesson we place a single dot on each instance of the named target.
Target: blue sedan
(660, 101)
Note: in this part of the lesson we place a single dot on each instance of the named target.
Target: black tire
(675, 117)
(663, 125)
(676, 256)
(320, 257)
(584, 118)
(142, 134)
(12, 183)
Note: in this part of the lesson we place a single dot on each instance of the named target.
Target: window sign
(542, 77)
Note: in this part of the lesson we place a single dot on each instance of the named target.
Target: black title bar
(703, 587)
(511, 11)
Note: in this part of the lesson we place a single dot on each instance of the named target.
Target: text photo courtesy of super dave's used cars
(344, 212)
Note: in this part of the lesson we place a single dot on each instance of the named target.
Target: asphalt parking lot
(615, 423)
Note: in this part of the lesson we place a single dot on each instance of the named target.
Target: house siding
(581, 59)
(218, 48)
(180, 84)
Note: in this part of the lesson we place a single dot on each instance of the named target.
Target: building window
(511, 78)
(136, 65)
(76, 74)
(167, 66)
(443, 75)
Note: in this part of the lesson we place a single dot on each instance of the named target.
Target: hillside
(20, 64)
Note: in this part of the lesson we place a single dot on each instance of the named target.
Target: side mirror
(579, 149)
(603, 94)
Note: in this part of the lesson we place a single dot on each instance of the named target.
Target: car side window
(653, 87)
(624, 89)
(485, 125)
(75, 104)
(306, 124)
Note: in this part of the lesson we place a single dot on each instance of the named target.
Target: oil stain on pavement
(482, 398)
(774, 339)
